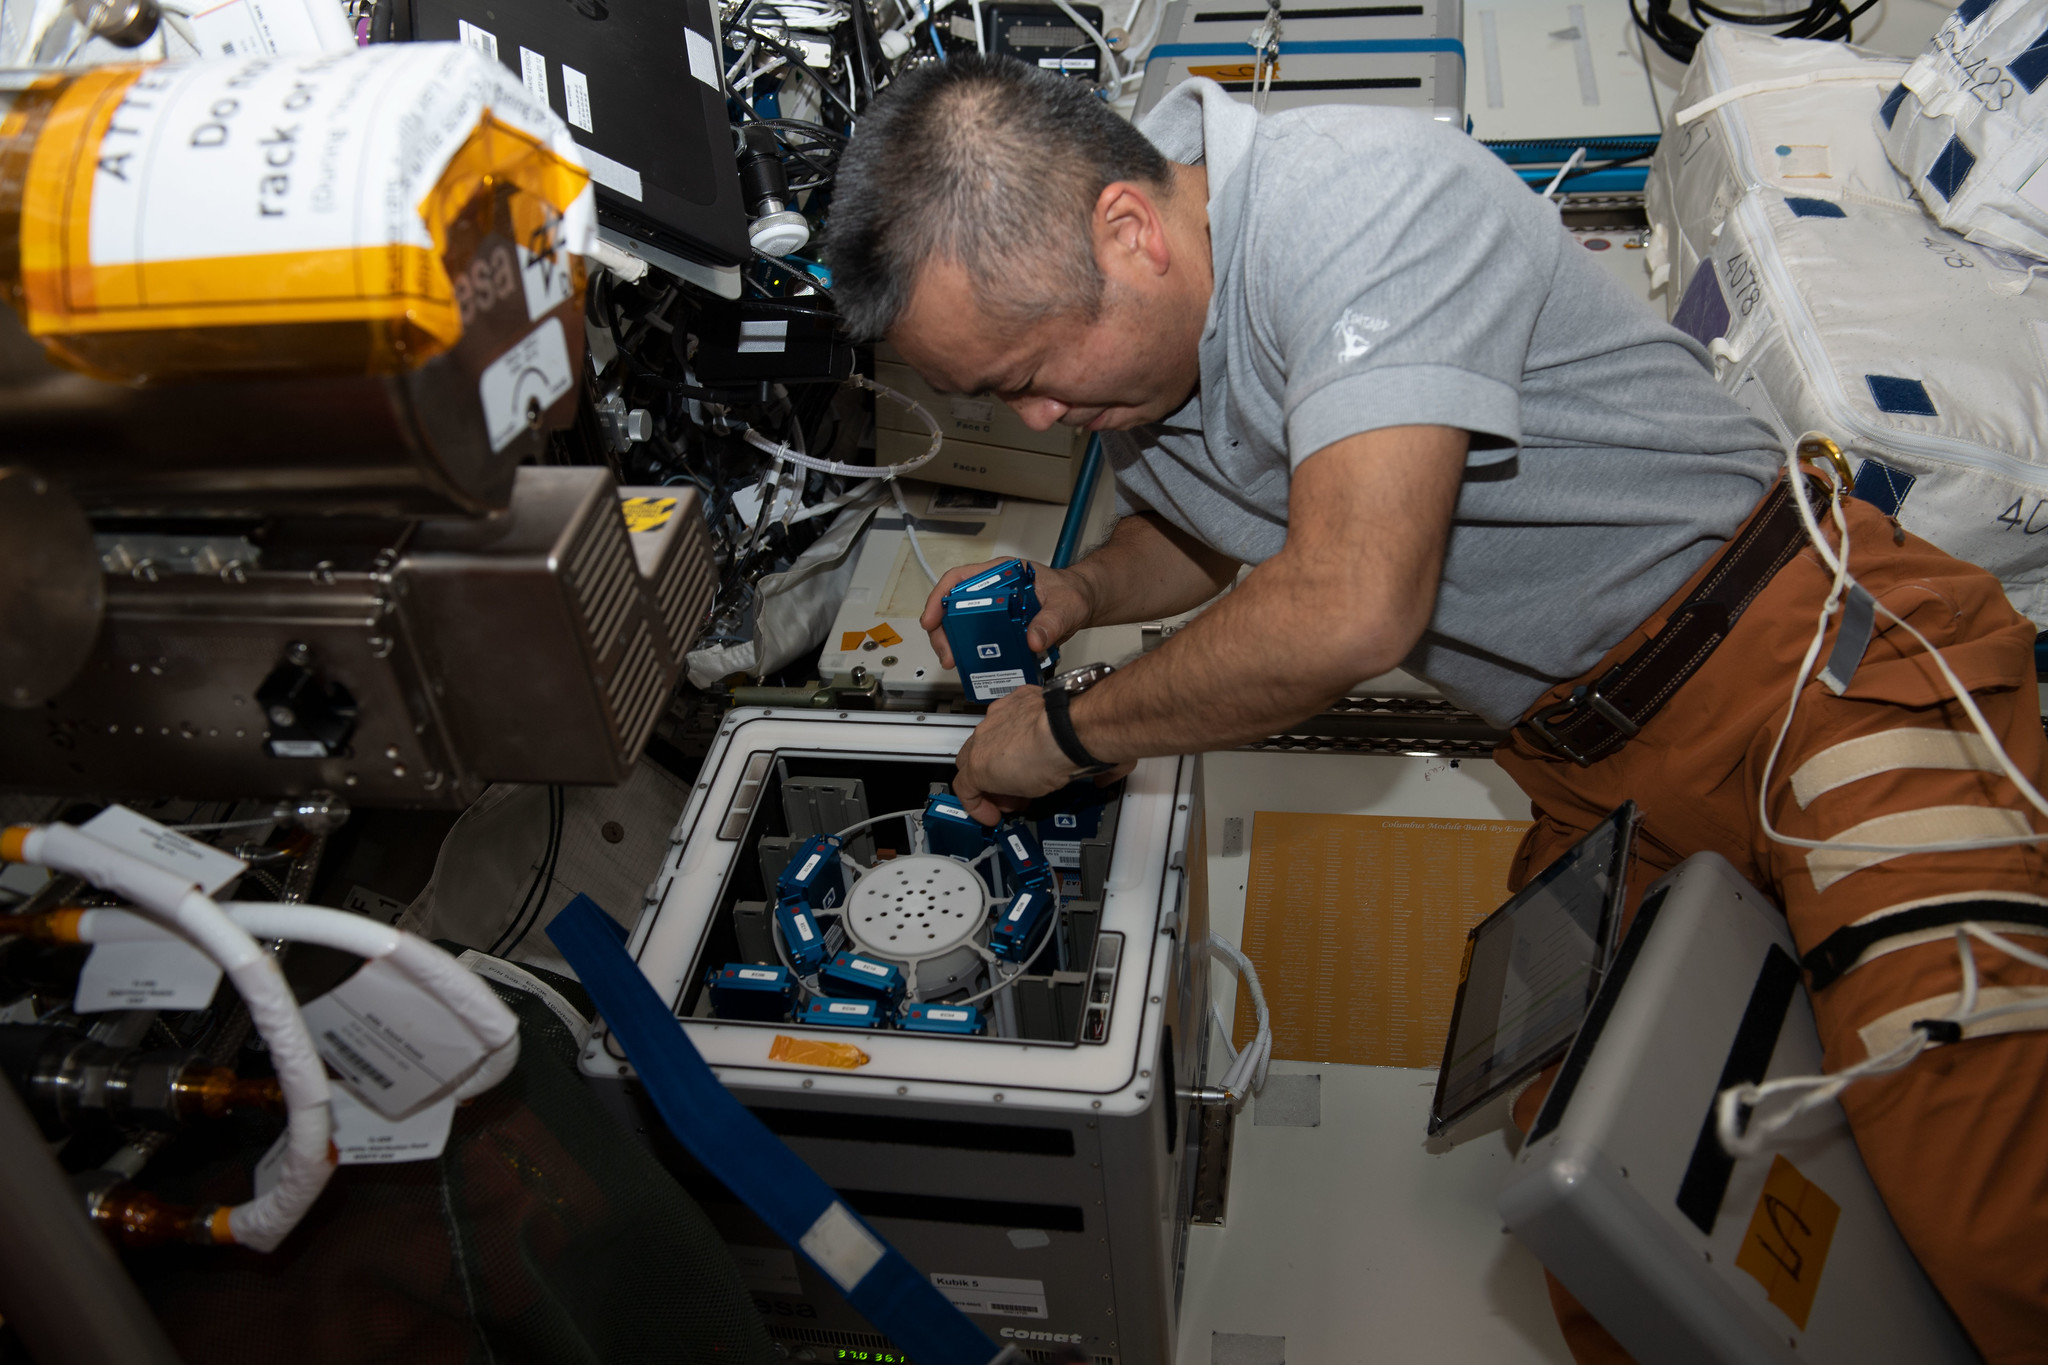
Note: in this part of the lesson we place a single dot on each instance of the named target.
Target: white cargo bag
(1788, 114)
(1968, 126)
(1914, 349)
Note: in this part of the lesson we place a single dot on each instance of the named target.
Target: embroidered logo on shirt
(1354, 333)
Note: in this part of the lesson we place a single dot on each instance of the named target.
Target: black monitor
(641, 85)
(1531, 969)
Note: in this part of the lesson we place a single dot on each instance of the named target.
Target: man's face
(1135, 362)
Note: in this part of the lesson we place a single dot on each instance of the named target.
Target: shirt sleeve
(1404, 294)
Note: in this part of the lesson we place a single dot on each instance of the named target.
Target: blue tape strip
(1287, 49)
(751, 1161)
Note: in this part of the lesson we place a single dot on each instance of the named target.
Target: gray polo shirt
(1376, 268)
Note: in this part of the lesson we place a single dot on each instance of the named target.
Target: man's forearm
(1346, 599)
(1148, 569)
(1253, 664)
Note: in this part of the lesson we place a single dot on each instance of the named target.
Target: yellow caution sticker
(814, 1052)
(1235, 71)
(1786, 1246)
(884, 635)
(313, 199)
(851, 640)
(647, 514)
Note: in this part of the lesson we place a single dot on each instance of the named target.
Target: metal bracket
(1216, 1126)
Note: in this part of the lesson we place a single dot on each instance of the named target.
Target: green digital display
(885, 1357)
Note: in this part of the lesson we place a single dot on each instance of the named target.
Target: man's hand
(1064, 607)
(1012, 757)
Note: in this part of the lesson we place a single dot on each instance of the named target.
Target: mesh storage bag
(544, 1235)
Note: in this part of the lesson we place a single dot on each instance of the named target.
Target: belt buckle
(1584, 697)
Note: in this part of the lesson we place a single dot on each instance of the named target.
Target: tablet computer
(1530, 971)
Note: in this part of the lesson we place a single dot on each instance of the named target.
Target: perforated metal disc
(916, 907)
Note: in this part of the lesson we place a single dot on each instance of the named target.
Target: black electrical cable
(1825, 20)
(864, 64)
(1608, 165)
(543, 880)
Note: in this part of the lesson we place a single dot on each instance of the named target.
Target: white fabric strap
(1910, 830)
(1888, 751)
(1887, 1031)
(1693, 112)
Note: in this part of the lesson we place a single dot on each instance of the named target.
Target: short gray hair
(989, 163)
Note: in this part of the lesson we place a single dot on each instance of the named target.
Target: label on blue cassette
(843, 1013)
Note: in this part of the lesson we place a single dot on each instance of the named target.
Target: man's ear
(1130, 229)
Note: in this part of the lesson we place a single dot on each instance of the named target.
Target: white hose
(783, 451)
(1247, 1070)
(432, 970)
(178, 903)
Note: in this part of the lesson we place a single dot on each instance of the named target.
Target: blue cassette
(801, 937)
(825, 1009)
(1018, 928)
(985, 621)
(813, 874)
(1023, 857)
(951, 832)
(744, 990)
(958, 1019)
(856, 974)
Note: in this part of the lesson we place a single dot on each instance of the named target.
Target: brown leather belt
(1599, 717)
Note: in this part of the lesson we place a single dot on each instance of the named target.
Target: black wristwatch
(1059, 695)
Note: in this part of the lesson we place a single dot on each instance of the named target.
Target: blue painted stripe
(736, 1147)
(1287, 49)
(1618, 180)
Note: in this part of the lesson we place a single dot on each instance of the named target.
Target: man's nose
(1040, 414)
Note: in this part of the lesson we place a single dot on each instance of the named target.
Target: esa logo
(1024, 1334)
(989, 651)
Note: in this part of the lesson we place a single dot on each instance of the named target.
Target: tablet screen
(1531, 968)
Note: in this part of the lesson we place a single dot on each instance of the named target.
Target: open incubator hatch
(1008, 1164)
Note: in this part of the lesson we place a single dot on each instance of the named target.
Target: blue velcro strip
(751, 1161)
(1951, 168)
(1882, 486)
(1889, 110)
(1971, 10)
(2030, 68)
(1703, 312)
(1904, 397)
(1813, 208)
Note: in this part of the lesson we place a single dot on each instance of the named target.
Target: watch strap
(1057, 700)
